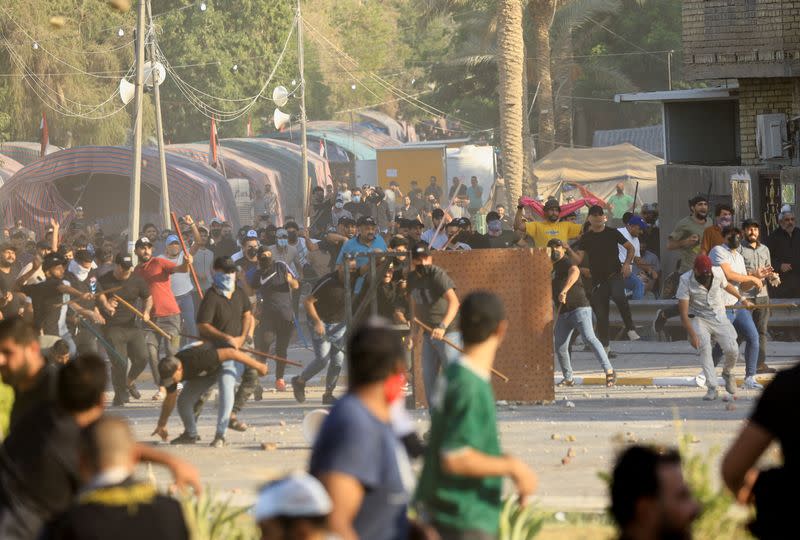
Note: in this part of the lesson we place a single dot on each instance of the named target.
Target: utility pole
(303, 142)
(162, 159)
(136, 174)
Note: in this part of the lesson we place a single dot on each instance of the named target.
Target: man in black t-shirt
(198, 366)
(434, 302)
(499, 237)
(225, 319)
(8, 264)
(601, 244)
(12, 304)
(776, 416)
(574, 313)
(333, 241)
(326, 318)
(127, 339)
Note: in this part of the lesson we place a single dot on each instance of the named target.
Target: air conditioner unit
(771, 136)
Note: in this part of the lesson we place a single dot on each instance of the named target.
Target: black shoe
(134, 392)
(119, 400)
(764, 368)
(258, 393)
(185, 438)
(218, 442)
(299, 390)
(328, 399)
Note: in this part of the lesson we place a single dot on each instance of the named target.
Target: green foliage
(519, 522)
(6, 402)
(208, 517)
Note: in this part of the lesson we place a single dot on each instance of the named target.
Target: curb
(653, 381)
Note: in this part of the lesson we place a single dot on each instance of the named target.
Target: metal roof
(728, 92)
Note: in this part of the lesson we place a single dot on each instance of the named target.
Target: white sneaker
(633, 336)
(752, 384)
(711, 395)
(700, 379)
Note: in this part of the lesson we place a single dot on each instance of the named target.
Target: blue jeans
(635, 285)
(742, 320)
(193, 390)
(186, 305)
(579, 319)
(328, 350)
(436, 355)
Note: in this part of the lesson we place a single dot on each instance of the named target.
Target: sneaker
(134, 392)
(610, 353)
(185, 438)
(730, 383)
(280, 385)
(711, 395)
(218, 442)
(752, 384)
(764, 369)
(633, 336)
(328, 399)
(660, 322)
(258, 393)
(700, 379)
(299, 390)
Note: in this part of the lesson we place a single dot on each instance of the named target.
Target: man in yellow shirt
(543, 231)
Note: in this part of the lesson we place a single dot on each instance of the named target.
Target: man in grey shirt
(758, 263)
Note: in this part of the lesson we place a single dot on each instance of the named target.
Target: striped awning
(25, 152)
(32, 194)
(8, 168)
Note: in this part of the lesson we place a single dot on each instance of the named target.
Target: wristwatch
(441, 326)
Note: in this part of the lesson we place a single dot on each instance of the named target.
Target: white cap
(296, 495)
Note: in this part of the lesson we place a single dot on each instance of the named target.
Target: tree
(510, 58)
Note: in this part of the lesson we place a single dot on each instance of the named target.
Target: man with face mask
(226, 245)
(333, 241)
(82, 274)
(338, 211)
(574, 314)
(542, 231)
(729, 258)
(284, 252)
(701, 294)
(497, 236)
(712, 236)
(225, 319)
(247, 257)
(356, 206)
(326, 319)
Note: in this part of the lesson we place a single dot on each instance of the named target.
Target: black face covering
(252, 252)
(292, 236)
(704, 279)
(734, 242)
(265, 263)
(555, 256)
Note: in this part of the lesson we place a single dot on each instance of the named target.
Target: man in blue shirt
(367, 240)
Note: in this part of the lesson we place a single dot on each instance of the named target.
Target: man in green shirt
(620, 202)
(460, 488)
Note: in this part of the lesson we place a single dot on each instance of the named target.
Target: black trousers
(276, 330)
(128, 342)
(611, 289)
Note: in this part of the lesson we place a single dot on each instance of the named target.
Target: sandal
(237, 425)
(611, 379)
(566, 382)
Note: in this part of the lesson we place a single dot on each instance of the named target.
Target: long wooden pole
(252, 351)
(139, 314)
(186, 254)
(764, 306)
(456, 347)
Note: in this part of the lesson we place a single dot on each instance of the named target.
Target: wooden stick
(456, 347)
(764, 306)
(113, 289)
(251, 351)
(635, 194)
(186, 254)
(139, 314)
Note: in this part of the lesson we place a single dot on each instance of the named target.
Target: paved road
(599, 420)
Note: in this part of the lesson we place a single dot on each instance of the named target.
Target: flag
(213, 144)
(249, 127)
(321, 148)
(44, 135)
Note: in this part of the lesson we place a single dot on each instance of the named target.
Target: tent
(25, 152)
(98, 178)
(383, 123)
(359, 142)
(8, 167)
(598, 170)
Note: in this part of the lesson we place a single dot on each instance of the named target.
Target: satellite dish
(126, 91)
(280, 96)
(149, 68)
(280, 119)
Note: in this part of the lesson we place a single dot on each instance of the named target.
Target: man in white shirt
(440, 240)
(728, 257)
(182, 286)
(631, 231)
(701, 303)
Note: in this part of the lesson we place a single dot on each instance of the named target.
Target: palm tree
(510, 59)
(541, 14)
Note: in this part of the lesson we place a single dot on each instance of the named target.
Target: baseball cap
(637, 220)
(596, 210)
(297, 495)
(415, 223)
(52, 260)
(746, 224)
(365, 220)
(554, 242)
(702, 264)
(251, 234)
(142, 242)
(346, 221)
(124, 260)
(173, 239)
(281, 233)
(420, 250)
(463, 222)
(215, 221)
(437, 213)
(43, 244)
(225, 265)
(552, 203)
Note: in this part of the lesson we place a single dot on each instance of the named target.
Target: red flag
(249, 127)
(212, 144)
(44, 135)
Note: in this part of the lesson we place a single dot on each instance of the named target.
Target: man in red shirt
(157, 272)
